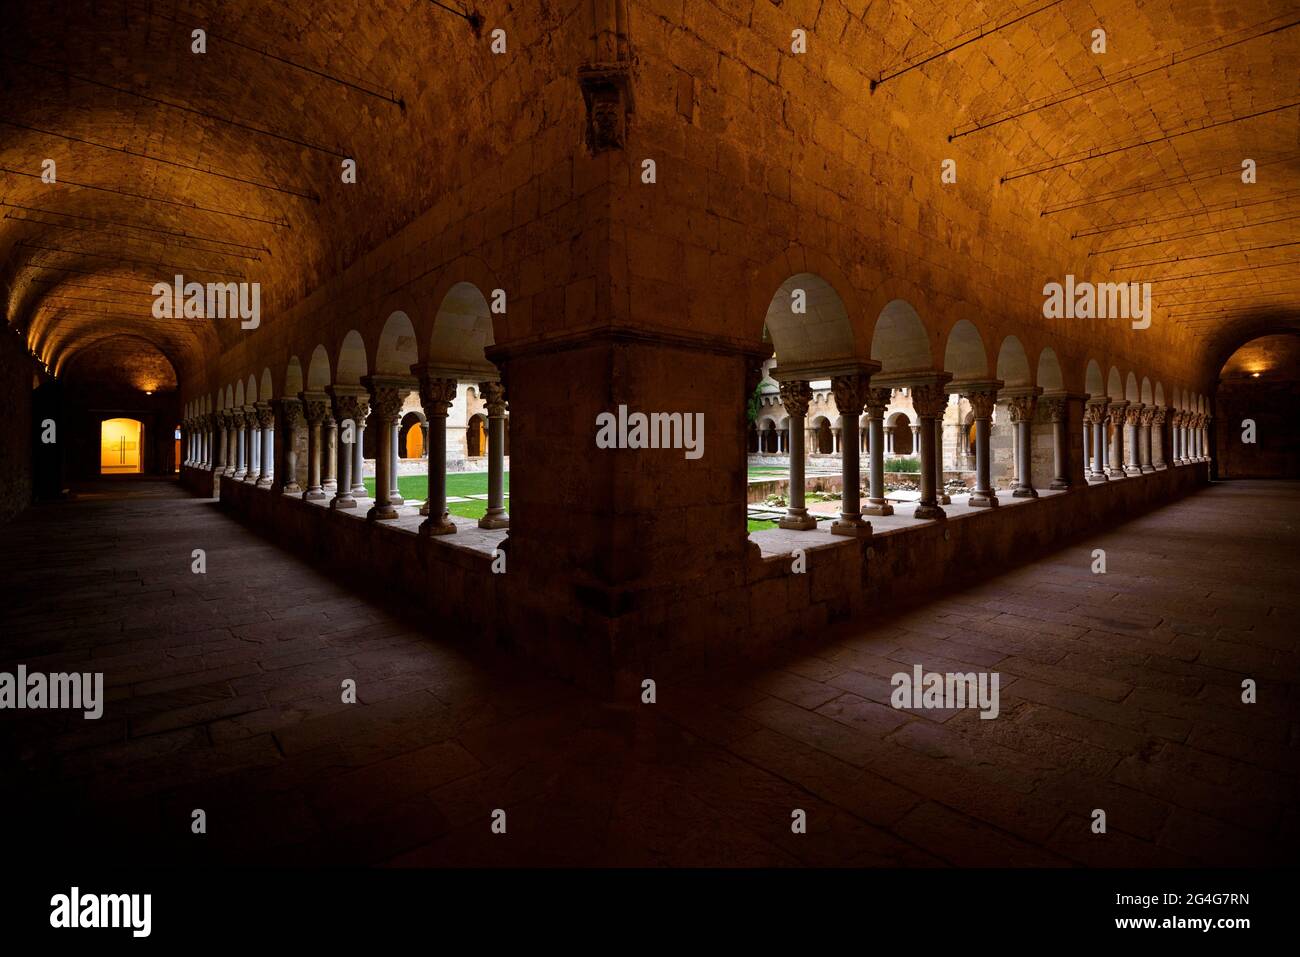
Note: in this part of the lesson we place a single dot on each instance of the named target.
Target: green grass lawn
(415, 488)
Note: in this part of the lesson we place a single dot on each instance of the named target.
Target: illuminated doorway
(119, 447)
(176, 460)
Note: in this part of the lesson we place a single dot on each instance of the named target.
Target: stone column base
(293, 488)
(1132, 470)
(339, 501)
(797, 523)
(494, 521)
(265, 481)
(1147, 469)
(314, 497)
(381, 513)
(1059, 485)
(431, 527)
(944, 499)
(929, 511)
(1116, 474)
(877, 507)
(1025, 493)
(1162, 467)
(854, 527)
(983, 500)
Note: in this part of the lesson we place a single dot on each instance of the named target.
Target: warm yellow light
(1254, 375)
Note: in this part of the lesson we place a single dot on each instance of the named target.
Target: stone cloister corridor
(449, 441)
(1119, 691)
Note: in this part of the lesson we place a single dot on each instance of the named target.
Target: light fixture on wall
(1254, 375)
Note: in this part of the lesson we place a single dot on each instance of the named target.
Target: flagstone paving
(1118, 692)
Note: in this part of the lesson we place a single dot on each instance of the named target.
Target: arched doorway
(120, 446)
(476, 437)
(411, 440)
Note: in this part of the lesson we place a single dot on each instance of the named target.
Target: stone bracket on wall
(607, 91)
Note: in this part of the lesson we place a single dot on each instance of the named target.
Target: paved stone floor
(1119, 691)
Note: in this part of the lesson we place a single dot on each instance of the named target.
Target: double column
(795, 396)
(1116, 454)
(351, 406)
(1144, 439)
(1179, 438)
(266, 426)
(1022, 407)
(982, 398)
(437, 393)
(315, 409)
(1158, 444)
(930, 401)
(877, 402)
(1095, 414)
(387, 396)
(223, 442)
(285, 471)
(494, 398)
(1133, 436)
(850, 393)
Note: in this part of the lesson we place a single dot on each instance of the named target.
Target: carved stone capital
(387, 403)
(315, 408)
(1147, 417)
(1021, 408)
(1133, 415)
(607, 92)
(795, 396)
(850, 393)
(929, 400)
(436, 395)
(494, 398)
(1054, 409)
(981, 404)
(290, 413)
(878, 401)
(265, 415)
(1160, 416)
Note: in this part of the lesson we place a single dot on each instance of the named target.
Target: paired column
(1117, 420)
(437, 392)
(329, 450)
(1158, 440)
(850, 393)
(223, 444)
(981, 404)
(1022, 416)
(1177, 432)
(929, 401)
(285, 477)
(266, 419)
(350, 406)
(795, 396)
(877, 401)
(1094, 414)
(315, 408)
(1132, 422)
(494, 397)
(253, 443)
(941, 493)
(1144, 439)
(387, 396)
(1057, 413)
(241, 445)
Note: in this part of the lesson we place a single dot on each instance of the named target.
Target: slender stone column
(981, 405)
(241, 445)
(1158, 440)
(1095, 415)
(208, 429)
(329, 452)
(1176, 432)
(1144, 439)
(395, 456)
(1132, 422)
(315, 407)
(285, 477)
(436, 396)
(358, 470)
(1057, 414)
(795, 396)
(850, 393)
(835, 441)
(252, 444)
(929, 400)
(916, 436)
(223, 444)
(266, 419)
(877, 401)
(940, 493)
(386, 396)
(494, 398)
(1022, 416)
(1205, 438)
(349, 406)
(1117, 419)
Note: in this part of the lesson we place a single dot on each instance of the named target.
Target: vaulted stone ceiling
(99, 85)
(233, 157)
